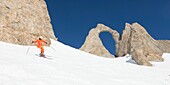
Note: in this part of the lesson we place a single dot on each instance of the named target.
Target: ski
(43, 56)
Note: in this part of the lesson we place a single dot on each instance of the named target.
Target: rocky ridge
(135, 41)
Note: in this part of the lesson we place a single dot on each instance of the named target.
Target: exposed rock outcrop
(22, 21)
(135, 40)
(93, 43)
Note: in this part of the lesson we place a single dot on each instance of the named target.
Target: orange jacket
(39, 42)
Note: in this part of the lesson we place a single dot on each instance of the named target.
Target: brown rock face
(22, 21)
(135, 41)
(93, 43)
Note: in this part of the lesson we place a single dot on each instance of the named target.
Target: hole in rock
(108, 42)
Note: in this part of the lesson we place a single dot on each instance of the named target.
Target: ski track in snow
(70, 66)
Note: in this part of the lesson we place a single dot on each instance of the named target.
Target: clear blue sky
(72, 19)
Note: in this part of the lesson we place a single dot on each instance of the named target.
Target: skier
(39, 45)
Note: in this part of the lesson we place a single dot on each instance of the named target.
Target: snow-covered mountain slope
(69, 66)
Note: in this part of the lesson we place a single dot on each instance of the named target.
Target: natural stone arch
(93, 43)
(135, 40)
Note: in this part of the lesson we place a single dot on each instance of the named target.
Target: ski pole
(53, 48)
(28, 49)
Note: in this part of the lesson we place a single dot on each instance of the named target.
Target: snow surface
(69, 66)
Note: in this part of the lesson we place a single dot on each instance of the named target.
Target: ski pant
(42, 48)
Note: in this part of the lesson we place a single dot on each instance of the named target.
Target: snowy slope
(69, 66)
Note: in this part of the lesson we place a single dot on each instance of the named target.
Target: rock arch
(93, 43)
(135, 40)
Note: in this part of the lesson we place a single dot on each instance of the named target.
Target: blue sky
(72, 19)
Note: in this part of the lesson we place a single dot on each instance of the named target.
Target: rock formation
(135, 41)
(22, 21)
(93, 43)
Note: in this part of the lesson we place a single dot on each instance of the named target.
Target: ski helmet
(40, 37)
